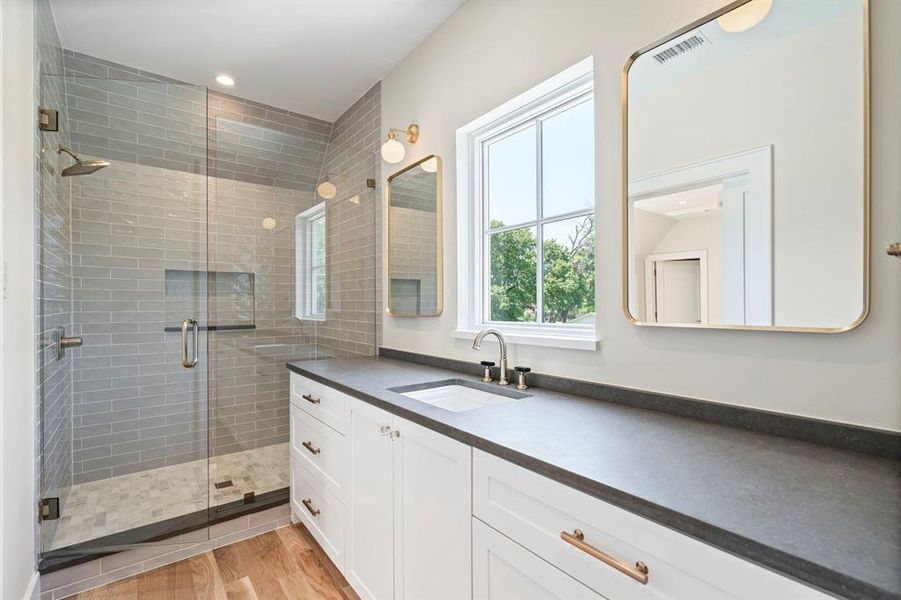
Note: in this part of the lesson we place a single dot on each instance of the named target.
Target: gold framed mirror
(746, 177)
(415, 286)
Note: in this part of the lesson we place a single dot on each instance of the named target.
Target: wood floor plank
(285, 564)
(229, 562)
(118, 590)
(296, 587)
(293, 539)
(156, 584)
(241, 589)
(325, 563)
(207, 581)
(266, 561)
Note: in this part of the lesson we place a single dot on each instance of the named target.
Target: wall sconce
(327, 189)
(745, 16)
(392, 150)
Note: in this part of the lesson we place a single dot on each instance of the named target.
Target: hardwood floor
(285, 564)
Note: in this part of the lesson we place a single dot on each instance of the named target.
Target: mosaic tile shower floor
(108, 506)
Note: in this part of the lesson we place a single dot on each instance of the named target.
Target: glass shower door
(123, 313)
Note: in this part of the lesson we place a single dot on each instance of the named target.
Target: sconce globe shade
(393, 151)
(431, 165)
(327, 190)
(745, 16)
(269, 223)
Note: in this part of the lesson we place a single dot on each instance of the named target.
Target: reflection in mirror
(746, 147)
(414, 240)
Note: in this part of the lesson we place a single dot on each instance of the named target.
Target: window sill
(317, 319)
(549, 339)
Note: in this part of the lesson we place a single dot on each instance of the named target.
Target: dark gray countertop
(825, 516)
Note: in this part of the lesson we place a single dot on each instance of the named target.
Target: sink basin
(459, 395)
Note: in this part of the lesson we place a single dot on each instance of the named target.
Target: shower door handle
(185, 361)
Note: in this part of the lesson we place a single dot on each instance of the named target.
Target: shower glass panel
(124, 270)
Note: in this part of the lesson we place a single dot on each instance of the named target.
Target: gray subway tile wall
(353, 224)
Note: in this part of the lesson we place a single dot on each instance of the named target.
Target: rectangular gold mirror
(746, 168)
(415, 277)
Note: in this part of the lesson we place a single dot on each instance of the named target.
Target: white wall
(488, 52)
(17, 403)
(701, 232)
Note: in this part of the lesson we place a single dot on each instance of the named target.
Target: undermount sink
(457, 395)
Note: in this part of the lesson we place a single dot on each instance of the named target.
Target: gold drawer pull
(309, 504)
(310, 398)
(639, 572)
(309, 446)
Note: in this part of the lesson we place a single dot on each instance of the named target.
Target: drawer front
(321, 449)
(321, 512)
(534, 511)
(504, 570)
(326, 404)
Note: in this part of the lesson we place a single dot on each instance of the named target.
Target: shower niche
(230, 299)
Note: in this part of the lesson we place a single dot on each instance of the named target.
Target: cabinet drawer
(534, 511)
(321, 449)
(321, 512)
(326, 404)
(504, 570)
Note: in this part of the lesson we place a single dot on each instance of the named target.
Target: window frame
(304, 267)
(564, 91)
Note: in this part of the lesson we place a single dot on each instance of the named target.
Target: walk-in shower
(186, 237)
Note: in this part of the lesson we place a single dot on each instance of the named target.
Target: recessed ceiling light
(224, 80)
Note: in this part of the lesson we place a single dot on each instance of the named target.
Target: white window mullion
(485, 271)
(539, 230)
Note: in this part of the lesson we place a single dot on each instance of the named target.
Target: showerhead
(81, 167)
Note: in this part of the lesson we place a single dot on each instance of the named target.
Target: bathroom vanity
(552, 495)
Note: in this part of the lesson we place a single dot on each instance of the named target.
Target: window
(311, 264)
(529, 227)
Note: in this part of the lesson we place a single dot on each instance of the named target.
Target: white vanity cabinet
(403, 493)
(370, 544)
(406, 513)
(504, 570)
(615, 553)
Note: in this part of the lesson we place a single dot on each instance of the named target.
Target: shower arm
(67, 151)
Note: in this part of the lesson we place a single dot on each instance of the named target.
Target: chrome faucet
(503, 343)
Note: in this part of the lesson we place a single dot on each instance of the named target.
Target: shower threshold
(106, 516)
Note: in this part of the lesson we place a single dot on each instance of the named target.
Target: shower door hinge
(49, 509)
(48, 119)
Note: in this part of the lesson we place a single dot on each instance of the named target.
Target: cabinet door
(433, 510)
(504, 570)
(370, 558)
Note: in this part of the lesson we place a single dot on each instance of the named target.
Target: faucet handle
(521, 377)
(487, 364)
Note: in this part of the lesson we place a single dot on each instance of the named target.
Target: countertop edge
(788, 565)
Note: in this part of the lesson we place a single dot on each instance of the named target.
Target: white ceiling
(314, 57)
(684, 203)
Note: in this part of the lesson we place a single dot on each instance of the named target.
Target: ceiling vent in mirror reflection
(681, 48)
